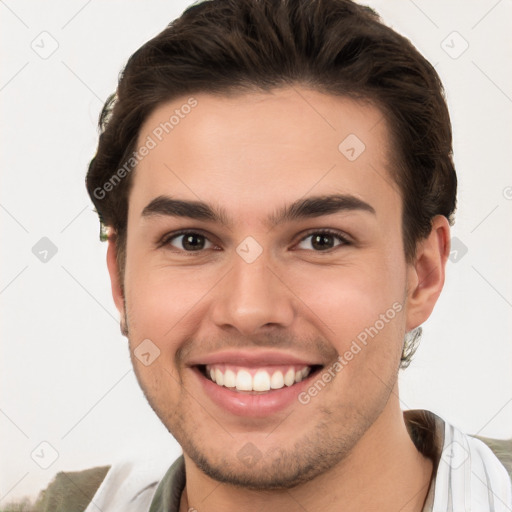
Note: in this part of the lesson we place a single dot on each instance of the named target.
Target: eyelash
(165, 241)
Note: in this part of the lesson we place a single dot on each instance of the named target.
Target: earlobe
(427, 274)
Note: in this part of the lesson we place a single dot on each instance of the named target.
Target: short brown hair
(333, 46)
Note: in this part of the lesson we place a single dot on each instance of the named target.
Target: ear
(425, 276)
(116, 285)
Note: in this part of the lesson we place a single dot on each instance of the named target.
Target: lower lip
(252, 405)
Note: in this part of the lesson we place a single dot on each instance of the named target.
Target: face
(271, 315)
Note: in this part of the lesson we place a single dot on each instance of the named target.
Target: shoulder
(469, 473)
(127, 486)
(470, 476)
(502, 448)
(71, 491)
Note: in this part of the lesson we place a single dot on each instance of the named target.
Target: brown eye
(323, 240)
(189, 241)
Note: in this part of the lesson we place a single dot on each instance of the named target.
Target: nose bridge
(251, 296)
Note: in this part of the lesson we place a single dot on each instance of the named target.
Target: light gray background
(65, 374)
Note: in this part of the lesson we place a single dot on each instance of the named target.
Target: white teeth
(242, 379)
(219, 377)
(229, 379)
(289, 378)
(261, 381)
(277, 380)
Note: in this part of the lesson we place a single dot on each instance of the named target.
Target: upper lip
(252, 358)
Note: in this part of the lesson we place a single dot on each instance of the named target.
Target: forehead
(252, 151)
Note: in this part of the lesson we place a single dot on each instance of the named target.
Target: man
(276, 185)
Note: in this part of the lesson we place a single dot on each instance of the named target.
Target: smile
(250, 383)
(263, 379)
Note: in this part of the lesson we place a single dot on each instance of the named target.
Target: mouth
(254, 384)
(257, 379)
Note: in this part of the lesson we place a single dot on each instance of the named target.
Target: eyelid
(342, 236)
(345, 239)
(165, 239)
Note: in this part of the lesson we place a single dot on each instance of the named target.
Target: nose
(252, 298)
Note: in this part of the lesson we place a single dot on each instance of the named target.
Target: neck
(384, 471)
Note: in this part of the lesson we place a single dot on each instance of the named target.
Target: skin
(250, 154)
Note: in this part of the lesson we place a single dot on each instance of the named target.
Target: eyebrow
(310, 207)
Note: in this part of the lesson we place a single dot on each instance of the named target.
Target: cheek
(154, 307)
(347, 300)
(362, 315)
(159, 298)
